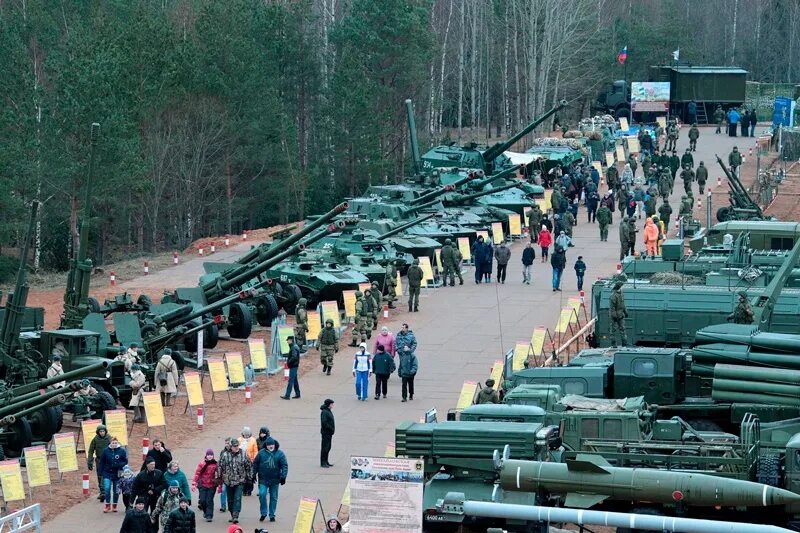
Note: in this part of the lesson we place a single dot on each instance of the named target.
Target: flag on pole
(676, 55)
(622, 56)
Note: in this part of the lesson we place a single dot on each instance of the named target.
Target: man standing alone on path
(604, 218)
(580, 271)
(735, 160)
(701, 176)
(719, 116)
(617, 313)
(292, 362)
(414, 276)
(327, 429)
(271, 467)
(407, 370)
(558, 262)
(528, 255)
(694, 134)
(327, 345)
(503, 255)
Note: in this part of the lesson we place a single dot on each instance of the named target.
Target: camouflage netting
(555, 141)
(598, 121)
(573, 134)
(674, 278)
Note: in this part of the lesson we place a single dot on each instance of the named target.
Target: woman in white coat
(166, 377)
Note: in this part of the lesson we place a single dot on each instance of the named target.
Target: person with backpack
(166, 377)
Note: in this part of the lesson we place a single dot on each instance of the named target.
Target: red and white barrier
(244, 235)
(113, 278)
(145, 447)
(146, 268)
(85, 484)
(200, 418)
(248, 394)
(174, 258)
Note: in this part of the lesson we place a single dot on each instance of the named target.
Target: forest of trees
(217, 116)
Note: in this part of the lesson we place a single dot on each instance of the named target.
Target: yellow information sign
(662, 121)
(427, 271)
(623, 123)
(484, 234)
(467, 394)
(194, 389)
(11, 480)
(258, 352)
(521, 351)
(66, 457)
(620, 153)
(497, 372)
(364, 286)
(330, 310)
(36, 466)
(349, 303)
(117, 425)
(153, 409)
(399, 288)
(390, 450)
(438, 253)
(216, 367)
(497, 233)
(284, 332)
(346, 495)
(633, 145)
(537, 340)
(575, 303)
(88, 429)
(304, 520)
(564, 320)
(314, 325)
(514, 225)
(463, 247)
(547, 203)
(609, 159)
(235, 367)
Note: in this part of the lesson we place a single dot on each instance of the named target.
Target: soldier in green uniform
(377, 297)
(664, 183)
(743, 312)
(646, 162)
(369, 310)
(687, 175)
(327, 345)
(555, 198)
(301, 324)
(487, 394)
(694, 134)
(603, 218)
(534, 222)
(360, 326)
(449, 266)
(687, 159)
(664, 212)
(719, 116)
(674, 165)
(569, 223)
(624, 245)
(617, 313)
(701, 176)
(672, 134)
(414, 276)
(735, 160)
(633, 163)
(632, 231)
(650, 203)
(612, 178)
(390, 280)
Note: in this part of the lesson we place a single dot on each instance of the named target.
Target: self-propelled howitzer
(742, 205)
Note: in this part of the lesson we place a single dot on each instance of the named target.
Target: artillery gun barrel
(480, 184)
(412, 132)
(433, 194)
(492, 153)
(37, 399)
(589, 480)
(462, 198)
(55, 400)
(210, 308)
(257, 255)
(405, 226)
(16, 302)
(743, 199)
(18, 393)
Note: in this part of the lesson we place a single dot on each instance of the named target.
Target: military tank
(316, 279)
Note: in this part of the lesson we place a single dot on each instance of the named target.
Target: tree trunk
(229, 192)
(441, 72)
(461, 71)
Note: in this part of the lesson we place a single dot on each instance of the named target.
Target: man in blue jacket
(271, 467)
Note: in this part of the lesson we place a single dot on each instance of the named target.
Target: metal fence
(27, 519)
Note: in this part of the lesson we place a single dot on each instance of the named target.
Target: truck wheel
(190, 341)
(768, 470)
(44, 423)
(101, 403)
(292, 294)
(17, 436)
(623, 112)
(59, 417)
(640, 510)
(724, 214)
(210, 336)
(94, 305)
(266, 310)
(241, 321)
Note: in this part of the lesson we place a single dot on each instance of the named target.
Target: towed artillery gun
(742, 206)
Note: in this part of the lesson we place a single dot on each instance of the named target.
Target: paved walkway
(461, 332)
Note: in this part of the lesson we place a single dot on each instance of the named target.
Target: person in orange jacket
(650, 237)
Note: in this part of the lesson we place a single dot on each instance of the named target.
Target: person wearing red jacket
(205, 482)
(545, 240)
(385, 339)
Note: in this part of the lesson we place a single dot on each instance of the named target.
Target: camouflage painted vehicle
(316, 279)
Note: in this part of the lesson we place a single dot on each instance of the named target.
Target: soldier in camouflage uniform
(743, 312)
(694, 134)
(414, 277)
(702, 176)
(369, 311)
(687, 159)
(360, 325)
(377, 297)
(672, 134)
(664, 212)
(391, 283)
(301, 323)
(327, 345)
(617, 313)
(686, 208)
(624, 245)
(664, 183)
(449, 266)
(535, 222)
(632, 236)
(735, 160)
(719, 117)
(603, 218)
(687, 175)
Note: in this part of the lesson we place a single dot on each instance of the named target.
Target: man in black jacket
(149, 484)
(181, 520)
(137, 520)
(292, 361)
(327, 429)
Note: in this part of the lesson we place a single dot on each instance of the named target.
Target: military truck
(763, 234)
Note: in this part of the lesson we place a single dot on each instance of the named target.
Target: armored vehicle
(763, 234)
(318, 280)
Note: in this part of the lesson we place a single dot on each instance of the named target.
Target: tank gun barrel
(16, 302)
(480, 184)
(412, 135)
(38, 399)
(258, 253)
(55, 400)
(463, 198)
(172, 320)
(492, 153)
(433, 194)
(23, 391)
(403, 227)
